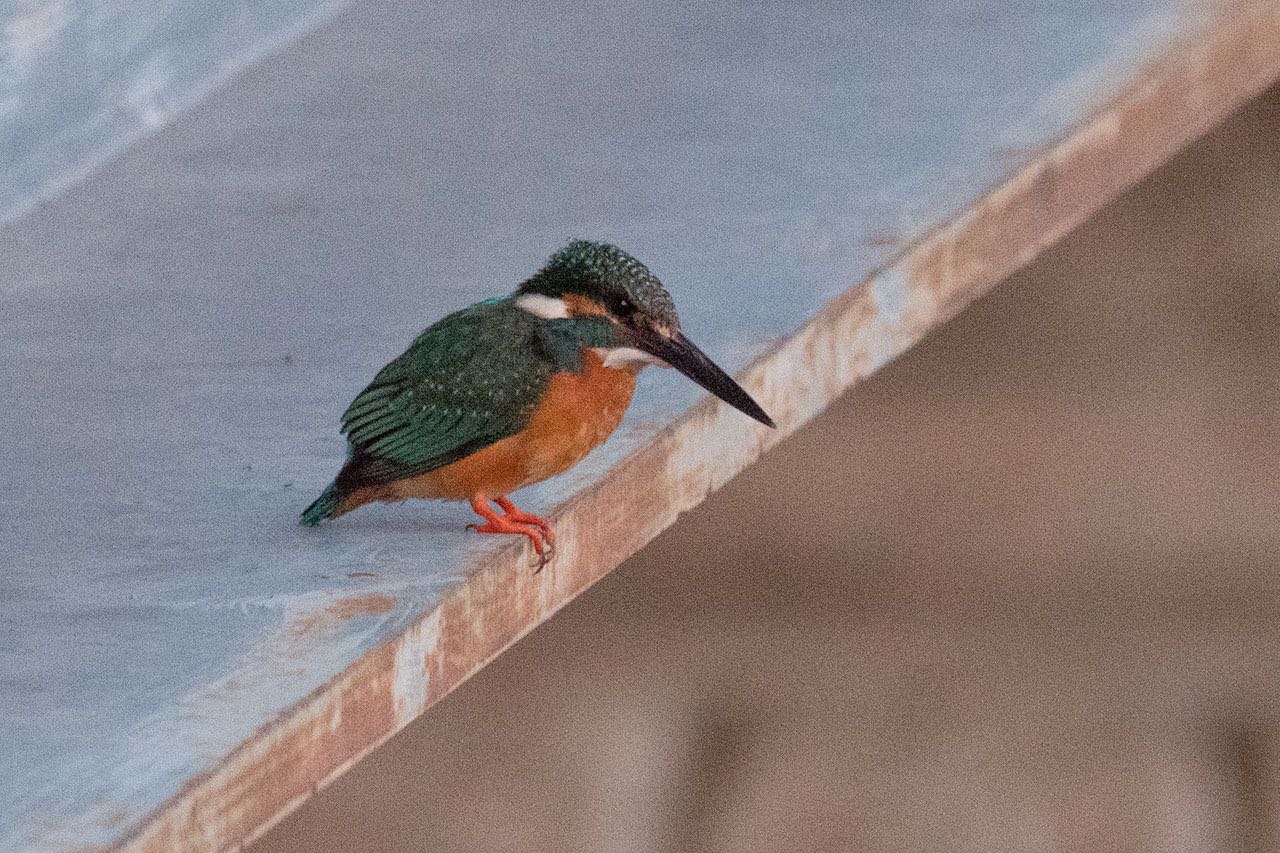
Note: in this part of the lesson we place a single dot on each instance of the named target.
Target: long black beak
(681, 353)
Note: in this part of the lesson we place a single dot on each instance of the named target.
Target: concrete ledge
(235, 663)
(1174, 100)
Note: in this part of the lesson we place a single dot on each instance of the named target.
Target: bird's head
(600, 282)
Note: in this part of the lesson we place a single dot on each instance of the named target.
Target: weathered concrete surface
(185, 664)
(81, 80)
(1017, 592)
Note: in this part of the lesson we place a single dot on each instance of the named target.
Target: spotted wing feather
(468, 381)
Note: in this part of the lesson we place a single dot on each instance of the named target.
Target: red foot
(515, 521)
(514, 513)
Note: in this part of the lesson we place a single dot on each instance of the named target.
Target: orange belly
(578, 412)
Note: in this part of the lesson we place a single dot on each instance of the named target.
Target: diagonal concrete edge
(1175, 99)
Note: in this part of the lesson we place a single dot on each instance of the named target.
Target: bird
(516, 389)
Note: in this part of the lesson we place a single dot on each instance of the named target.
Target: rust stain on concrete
(1199, 82)
(373, 604)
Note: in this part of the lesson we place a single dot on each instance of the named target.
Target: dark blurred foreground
(1018, 592)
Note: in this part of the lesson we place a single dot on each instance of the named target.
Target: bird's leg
(495, 523)
(514, 513)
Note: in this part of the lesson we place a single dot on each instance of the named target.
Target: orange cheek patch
(582, 306)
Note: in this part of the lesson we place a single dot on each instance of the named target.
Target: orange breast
(578, 412)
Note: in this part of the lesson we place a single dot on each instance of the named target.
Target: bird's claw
(543, 546)
(516, 521)
(545, 549)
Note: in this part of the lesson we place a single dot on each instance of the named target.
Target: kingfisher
(516, 389)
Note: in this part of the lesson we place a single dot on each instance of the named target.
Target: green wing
(470, 380)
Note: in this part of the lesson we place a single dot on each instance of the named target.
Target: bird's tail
(328, 505)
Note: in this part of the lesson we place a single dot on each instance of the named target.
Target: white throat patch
(546, 307)
(625, 356)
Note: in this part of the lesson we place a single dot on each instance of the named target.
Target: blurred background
(1017, 592)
